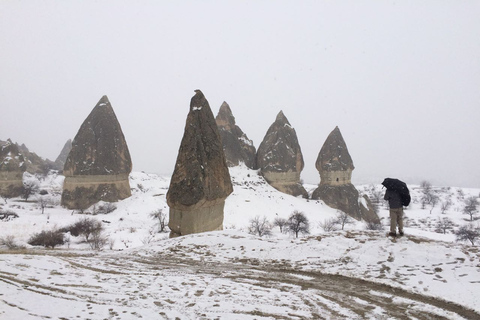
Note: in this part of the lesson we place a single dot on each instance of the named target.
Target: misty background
(401, 79)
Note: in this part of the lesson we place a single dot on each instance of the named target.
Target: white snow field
(142, 274)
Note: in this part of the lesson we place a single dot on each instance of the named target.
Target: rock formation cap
(99, 148)
(334, 155)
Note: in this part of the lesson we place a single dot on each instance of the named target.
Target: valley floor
(231, 275)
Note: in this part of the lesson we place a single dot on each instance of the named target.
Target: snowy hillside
(347, 274)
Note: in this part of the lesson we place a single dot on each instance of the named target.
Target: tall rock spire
(280, 158)
(335, 166)
(200, 182)
(99, 163)
(236, 145)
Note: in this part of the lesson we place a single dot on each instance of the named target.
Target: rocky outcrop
(62, 157)
(200, 182)
(236, 145)
(280, 159)
(98, 164)
(12, 167)
(335, 166)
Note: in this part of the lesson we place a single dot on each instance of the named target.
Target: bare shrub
(48, 239)
(84, 226)
(9, 242)
(375, 226)
(98, 239)
(329, 225)
(106, 208)
(7, 215)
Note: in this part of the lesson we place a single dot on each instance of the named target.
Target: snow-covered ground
(230, 274)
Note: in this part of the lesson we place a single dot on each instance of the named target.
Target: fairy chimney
(335, 166)
(280, 159)
(236, 145)
(62, 157)
(200, 182)
(12, 167)
(98, 164)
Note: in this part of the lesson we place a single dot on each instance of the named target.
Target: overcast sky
(401, 79)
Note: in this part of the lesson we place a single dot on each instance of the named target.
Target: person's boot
(400, 233)
(392, 234)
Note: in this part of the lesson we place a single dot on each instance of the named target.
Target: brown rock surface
(280, 158)
(12, 167)
(200, 182)
(98, 165)
(335, 166)
(236, 145)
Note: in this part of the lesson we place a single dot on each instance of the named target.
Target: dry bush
(48, 239)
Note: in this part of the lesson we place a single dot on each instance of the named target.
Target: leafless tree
(281, 223)
(162, 219)
(443, 225)
(343, 219)
(468, 233)
(298, 223)
(43, 201)
(260, 226)
(434, 199)
(471, 207)
(446, 206)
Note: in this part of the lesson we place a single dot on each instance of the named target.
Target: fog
(400, 79)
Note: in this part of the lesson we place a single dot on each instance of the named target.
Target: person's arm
(387, 195)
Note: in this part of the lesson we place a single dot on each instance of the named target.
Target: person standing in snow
(396, 212)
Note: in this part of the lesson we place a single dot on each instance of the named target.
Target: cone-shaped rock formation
(200, 182)
(62, 157)
(236, 145)
(280, 158)
(12, 167)
(98, 165)
(335, 166)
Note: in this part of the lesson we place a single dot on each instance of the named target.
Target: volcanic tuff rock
(335, 166)
(62, 157)
(200, 182)
(98, 165)
(236, 145)
(12, 167)
(280, 158)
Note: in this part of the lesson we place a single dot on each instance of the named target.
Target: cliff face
(98, 164)
(200, 182)
(280, 158)
(12, 167)
(236, 145)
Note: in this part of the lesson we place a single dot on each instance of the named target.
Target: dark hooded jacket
(394, 199)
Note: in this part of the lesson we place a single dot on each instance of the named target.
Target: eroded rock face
(280, 158)
(335, 166)
(236, 145)
(12, 167)
(98, 164)
(200, 182)
(62, 157)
